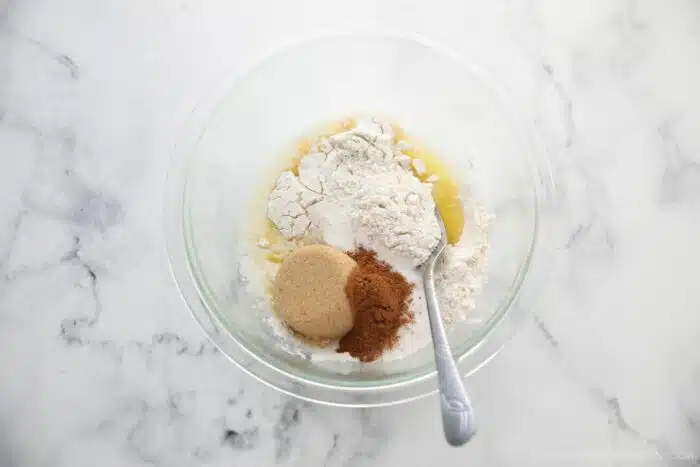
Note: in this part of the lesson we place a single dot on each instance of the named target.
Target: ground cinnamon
(379, 297)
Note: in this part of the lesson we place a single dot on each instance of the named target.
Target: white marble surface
(101, 364)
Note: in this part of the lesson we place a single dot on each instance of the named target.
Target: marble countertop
(100, 362)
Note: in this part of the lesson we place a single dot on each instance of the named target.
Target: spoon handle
(457, 415)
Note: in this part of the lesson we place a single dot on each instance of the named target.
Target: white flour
(461, 272)
(356, 189)
(353, 190)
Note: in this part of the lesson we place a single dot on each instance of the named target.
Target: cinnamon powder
(379, 297)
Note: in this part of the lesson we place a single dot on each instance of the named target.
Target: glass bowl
(234, 141)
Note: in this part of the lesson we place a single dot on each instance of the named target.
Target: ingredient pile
(349, 224)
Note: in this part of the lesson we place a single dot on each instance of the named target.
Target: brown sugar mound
(379, 297)
(309, 292)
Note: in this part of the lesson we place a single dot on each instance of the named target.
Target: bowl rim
(495, 335)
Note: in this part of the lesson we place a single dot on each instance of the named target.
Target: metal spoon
(457, 414)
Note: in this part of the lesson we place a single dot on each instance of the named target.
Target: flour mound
(460, 274)
(355, 189)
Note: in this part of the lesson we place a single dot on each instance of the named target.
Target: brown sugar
(379, 298)
(309, 292)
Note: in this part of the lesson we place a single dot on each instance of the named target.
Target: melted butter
(274, 238)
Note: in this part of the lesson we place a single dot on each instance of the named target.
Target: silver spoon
(457, 414)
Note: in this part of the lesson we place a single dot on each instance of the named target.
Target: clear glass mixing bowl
(235, 138)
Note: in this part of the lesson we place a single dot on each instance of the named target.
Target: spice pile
(366, 192)
(379, 297)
